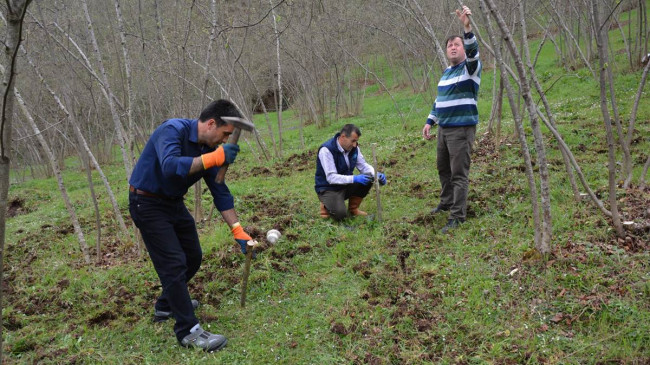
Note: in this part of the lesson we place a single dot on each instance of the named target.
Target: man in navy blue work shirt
(178, 154)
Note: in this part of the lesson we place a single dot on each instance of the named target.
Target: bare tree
(604, 59)
(15, 14)
(544, 245)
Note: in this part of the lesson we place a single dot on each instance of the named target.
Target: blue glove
(230, 151)
(241, 237)
(243, 244)
(382, 178)
(362, 179)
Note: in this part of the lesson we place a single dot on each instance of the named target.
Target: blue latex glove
(382, 178)
(362, 179)
(230, 151)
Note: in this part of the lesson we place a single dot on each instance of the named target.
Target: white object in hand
(273, 235)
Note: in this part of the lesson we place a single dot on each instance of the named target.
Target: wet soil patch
(16, 207)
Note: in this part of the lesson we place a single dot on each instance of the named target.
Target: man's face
(214, 135)
(348, 143)
(455, 51)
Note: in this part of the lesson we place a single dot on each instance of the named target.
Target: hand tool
(239, 123)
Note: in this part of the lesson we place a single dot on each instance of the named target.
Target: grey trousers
(334, 201)
(454, 150)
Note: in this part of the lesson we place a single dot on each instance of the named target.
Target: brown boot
(323, 211)
(353, 206)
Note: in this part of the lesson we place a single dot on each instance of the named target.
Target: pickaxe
(239, 124)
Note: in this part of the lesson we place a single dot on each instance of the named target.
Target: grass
(391, 292)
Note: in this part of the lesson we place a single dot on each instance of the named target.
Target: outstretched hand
(463, 15)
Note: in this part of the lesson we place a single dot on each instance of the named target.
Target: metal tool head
(240, 123)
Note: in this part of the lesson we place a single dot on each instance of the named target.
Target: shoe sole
(157, 319)
(216, 348)
(219, 347)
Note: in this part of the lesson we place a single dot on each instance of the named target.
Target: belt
(146, 193)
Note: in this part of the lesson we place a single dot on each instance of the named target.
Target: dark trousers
(169, 233)
(454, 150)
(334, 200)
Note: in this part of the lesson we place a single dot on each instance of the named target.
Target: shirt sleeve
(432, 119)
(221, 196)
(471, 51)
(363, 166)
(168, 149)
(332, 176)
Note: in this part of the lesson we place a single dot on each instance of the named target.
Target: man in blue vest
(335, 182)
(178, 154)
(456, 114)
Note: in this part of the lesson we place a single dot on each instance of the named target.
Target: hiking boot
(161, 316)
(353, 206)
(439, 209)
(205, 340)
(323, 211)
(452, 224)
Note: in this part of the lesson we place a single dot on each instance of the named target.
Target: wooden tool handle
(221, 175)
(247, 270)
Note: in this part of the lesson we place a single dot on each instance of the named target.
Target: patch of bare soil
(16, 207)
(635, 207)
(296, 162)
(485, 149)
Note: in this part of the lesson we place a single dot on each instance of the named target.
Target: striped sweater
(455, 105)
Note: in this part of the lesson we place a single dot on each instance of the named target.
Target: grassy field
(364, 291)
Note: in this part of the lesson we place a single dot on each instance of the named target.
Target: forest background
(552, 266)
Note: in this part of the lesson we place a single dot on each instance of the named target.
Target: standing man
(457, 116)
(335, 182)
(179, 153)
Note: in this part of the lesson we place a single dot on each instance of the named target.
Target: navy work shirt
(164, 166)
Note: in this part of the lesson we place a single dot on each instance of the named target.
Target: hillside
(362, 291)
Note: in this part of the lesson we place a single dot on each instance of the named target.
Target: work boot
(353, 206)
(161, 316)
(439, 209)
(205, 340)
(323, 211)
(452, 224)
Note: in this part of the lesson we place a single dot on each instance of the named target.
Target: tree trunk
(544, 246)
(84, 145)
(279, 76)
(59, 177)
(15, 16)
(505, 81)
(603, 59)
(122, 139)
(547, 107)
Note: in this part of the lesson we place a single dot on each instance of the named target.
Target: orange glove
(225, 153)
(214, 158)
(240, 236)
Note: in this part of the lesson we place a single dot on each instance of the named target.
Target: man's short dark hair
(219, 108)
(349, 128)
(451, 38)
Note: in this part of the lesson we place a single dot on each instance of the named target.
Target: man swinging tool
(179, 153)
(337, 159)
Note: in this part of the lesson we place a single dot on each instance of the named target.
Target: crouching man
(335, 182)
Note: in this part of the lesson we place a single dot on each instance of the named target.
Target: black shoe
(161, 316)
(205, 340)
(439, 209)
(451, 224)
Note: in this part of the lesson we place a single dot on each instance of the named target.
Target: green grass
(391, 292)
